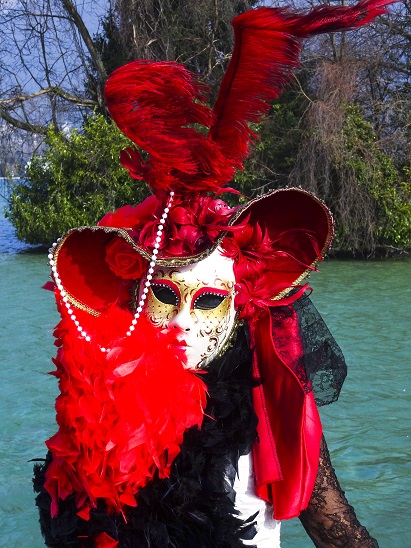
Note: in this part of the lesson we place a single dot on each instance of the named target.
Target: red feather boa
(121, 414)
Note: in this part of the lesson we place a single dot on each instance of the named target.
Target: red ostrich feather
(162, 107)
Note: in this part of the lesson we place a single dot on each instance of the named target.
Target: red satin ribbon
(289, 429)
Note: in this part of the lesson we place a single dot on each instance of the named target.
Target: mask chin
(198, 302)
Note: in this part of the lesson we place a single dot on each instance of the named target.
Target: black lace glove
(329, 520)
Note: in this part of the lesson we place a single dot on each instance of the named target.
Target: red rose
(125, 261)
(132, 216)
(213, 216)
(148, 235)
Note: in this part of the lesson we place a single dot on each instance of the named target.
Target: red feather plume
(267, 46)
(159, 106)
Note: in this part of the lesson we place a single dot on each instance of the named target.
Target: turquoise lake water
(367, 306)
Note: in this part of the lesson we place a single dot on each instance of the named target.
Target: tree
(45, 54)
(198, 33)
(276, 150)
(344, 83)
(69, 185)
(345, 142)
(52, 72)
(74, 183)
(342, 160)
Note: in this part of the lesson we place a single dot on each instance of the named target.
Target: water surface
(365, 304)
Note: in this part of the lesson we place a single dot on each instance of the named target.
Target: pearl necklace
(147, 284)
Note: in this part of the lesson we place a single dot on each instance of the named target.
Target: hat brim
(290, 215)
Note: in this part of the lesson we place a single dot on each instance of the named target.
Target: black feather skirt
(195, 506)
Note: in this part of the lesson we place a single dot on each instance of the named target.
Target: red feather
(158, 105)
(122, 414)
(267, 47)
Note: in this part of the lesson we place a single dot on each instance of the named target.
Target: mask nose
(182, 320)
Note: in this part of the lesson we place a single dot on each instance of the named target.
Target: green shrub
(75, 183)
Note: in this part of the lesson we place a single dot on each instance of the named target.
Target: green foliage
(75, 183)
(376, 173)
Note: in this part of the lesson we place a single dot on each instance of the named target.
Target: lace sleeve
(329, 520)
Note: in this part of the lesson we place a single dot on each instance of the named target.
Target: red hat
(283, 234)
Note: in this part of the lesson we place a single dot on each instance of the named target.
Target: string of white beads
(152, 264)
(63, 293)
(143, 297)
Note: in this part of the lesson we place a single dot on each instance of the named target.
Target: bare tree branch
(26, 126)
(54, 90)
(46, 54)
(98, 63)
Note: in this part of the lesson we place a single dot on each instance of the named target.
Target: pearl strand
(153, 261)
(63, 293)
(149, 277)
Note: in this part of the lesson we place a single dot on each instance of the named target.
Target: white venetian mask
(198, 300)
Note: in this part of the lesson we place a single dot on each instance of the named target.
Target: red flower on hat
(249, 244)
(192, 225)
(196, 224)
(125, 261)
(132, 216)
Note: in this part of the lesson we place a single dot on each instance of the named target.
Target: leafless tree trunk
(195, 33)
(46, 52)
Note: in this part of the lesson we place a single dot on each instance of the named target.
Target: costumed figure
(190, 358)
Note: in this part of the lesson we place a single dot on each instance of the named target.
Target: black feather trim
(195, 505)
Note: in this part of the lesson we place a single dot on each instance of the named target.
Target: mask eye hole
(208, 301)
(165, 294)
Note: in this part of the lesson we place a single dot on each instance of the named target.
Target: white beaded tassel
(153, 260)
(63, 294)
(149, 277)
